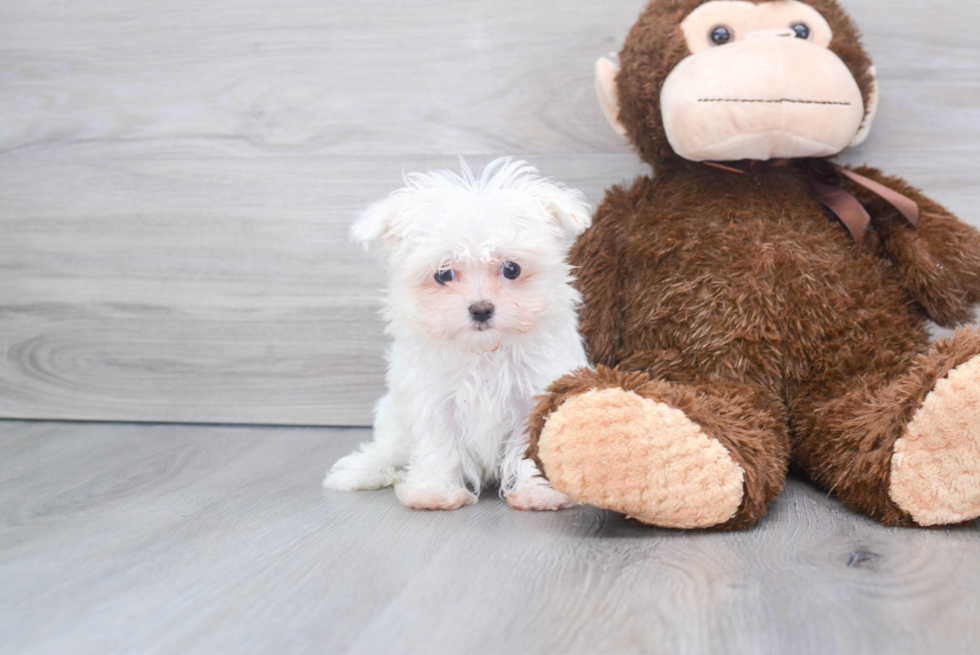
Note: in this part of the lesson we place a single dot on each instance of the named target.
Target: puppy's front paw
(537, 495)
(428, 496)
(355, 472)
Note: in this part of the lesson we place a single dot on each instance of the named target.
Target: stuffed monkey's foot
(935, 469)
(617, 450)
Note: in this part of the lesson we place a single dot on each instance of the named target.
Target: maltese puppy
(482, 316)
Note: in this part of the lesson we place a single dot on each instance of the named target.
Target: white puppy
(481, 312)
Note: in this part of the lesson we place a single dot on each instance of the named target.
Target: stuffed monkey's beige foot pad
(935, 469)
(616, 450)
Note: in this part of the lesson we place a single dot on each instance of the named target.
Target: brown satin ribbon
(823, 178)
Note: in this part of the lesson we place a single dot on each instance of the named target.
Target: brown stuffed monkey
(752, 305)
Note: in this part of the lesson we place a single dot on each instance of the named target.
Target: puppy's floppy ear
(568, 207)
(377, 224)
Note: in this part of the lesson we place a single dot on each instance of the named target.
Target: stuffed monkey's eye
(445, 276)
(510, 270)
(721, 35)
(802, 31)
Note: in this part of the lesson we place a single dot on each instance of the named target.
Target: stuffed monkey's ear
(869, 111)
(378, 222)
(605, 86)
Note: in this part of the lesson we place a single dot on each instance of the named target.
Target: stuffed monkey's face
(760, 83)
(757, 80)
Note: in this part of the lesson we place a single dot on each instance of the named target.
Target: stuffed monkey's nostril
(481, 311)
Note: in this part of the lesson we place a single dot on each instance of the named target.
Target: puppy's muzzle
(481, 311)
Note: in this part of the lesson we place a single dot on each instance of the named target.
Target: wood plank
(182, 539)
(211, 291)
(176, 180)
(373, 77)
(414, 77)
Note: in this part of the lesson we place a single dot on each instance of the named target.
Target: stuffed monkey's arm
(596, 259)
(939, 261)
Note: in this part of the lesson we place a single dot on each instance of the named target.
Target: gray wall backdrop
(177, 178)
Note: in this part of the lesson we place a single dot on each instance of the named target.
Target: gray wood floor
(127, 538)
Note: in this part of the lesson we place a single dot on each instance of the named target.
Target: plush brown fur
(921, 255)
(846, 425)
(742, 301)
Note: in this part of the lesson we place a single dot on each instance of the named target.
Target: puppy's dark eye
(445, 276)
(721, 35)
(802, 31)
(510, 270)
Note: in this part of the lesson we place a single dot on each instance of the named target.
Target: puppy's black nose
(481, 311)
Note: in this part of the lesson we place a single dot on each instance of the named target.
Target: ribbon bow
(823, 178)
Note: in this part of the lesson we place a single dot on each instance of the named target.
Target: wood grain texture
(176, 179)
(210, 290)
(188, 539)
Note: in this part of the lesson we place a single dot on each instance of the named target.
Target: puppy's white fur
(460, 390)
